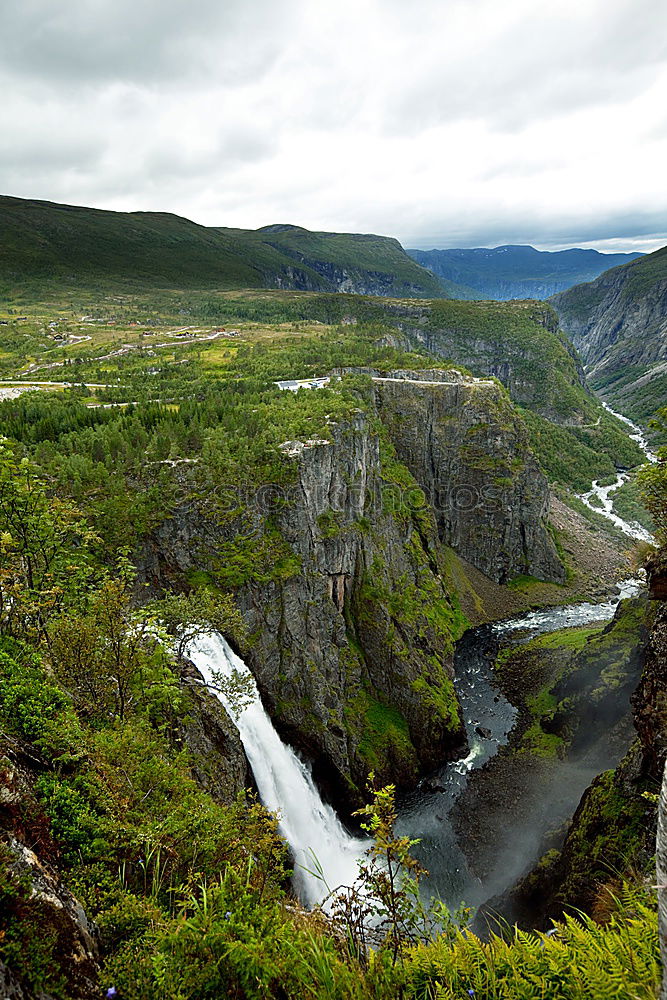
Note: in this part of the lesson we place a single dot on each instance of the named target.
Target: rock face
(347, 660)
(352, 647)
(518, 343)
(650, 698)
(465, 446)
(619, 314)
(41, 905)
(619, 325)
(219, 764)
(347, 280)
(350, 263)
(614, 825)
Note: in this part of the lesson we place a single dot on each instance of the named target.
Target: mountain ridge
(618, 323)
(43, 243)
(515, 270)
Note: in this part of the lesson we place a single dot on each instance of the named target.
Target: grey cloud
(544, 65)
(47, 154)
(409, 120)
(550, 231)
(232, 148)
(88, 41)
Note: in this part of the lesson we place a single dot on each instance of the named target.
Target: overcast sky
(442, 122)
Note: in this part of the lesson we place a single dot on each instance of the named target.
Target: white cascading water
(311, 828)
(604, 503)
(637, 433)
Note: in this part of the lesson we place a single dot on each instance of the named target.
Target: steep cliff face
(352, 644)
(623, 313)
(466, 447)
(353, 263)
(619, 325)
(346, 657)
(314, 275)
(650, 698)
(613, 828)
(517, 342)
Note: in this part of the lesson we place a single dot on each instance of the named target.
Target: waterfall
(311, 828)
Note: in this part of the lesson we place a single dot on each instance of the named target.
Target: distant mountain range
(50, 245)
(514, 272)
(618, 323)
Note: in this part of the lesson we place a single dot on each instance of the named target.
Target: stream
(603, 494)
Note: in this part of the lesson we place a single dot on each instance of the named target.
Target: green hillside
(134, 270)
(375, 254)
(93, 337)
(48, 246)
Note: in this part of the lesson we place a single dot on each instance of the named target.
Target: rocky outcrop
(351, 631)
(36, 904)
(463, 442)
(650, 698)
(316, 276)
(350, 263)
(613, 828)
(219, 764)
(622, 316)
(352, 665)
(518, 343)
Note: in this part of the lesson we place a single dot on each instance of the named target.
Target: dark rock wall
(613, 829)
(353, 652)
(613, 325)
(468, 450)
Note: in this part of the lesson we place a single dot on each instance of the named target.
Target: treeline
(129, 465)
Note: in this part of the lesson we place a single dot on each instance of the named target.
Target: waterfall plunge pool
(311, 827)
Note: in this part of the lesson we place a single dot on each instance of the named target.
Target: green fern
(582, 960)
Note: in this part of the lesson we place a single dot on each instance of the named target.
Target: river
(489, 718)
(600, 498)
(326, 855)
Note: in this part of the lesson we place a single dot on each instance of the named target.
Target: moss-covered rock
(358, 600)
(613, 829)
